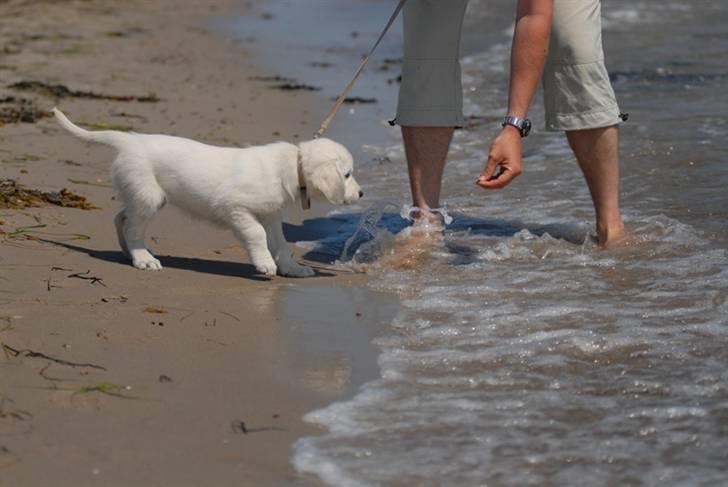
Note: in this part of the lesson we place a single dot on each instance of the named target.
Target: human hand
(504, 160)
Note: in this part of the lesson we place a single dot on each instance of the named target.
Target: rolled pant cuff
(584, 121)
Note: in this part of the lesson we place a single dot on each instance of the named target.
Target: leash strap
(358, 71)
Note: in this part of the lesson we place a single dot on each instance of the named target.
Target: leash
(350, 84)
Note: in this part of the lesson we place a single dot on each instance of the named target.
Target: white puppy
(246, 190)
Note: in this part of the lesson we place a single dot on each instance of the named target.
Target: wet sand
(195, 375)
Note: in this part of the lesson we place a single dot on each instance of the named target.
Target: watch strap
(522, 124)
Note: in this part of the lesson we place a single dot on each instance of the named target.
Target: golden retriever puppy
(246, 190)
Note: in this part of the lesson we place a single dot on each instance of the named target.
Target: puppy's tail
(106, 137)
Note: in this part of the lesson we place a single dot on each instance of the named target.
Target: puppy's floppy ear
(326, 178)
(322, 172)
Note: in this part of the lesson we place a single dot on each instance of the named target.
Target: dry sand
(196, 375)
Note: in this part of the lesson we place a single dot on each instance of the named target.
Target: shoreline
(200, 373)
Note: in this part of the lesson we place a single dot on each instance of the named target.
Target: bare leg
(426, 150)
(597, 151)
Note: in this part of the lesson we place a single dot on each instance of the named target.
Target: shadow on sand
(217, 267)
(334, 232)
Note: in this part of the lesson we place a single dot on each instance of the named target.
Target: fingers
(497, 174)
(504, 161)
(488, 170)
(500, 180)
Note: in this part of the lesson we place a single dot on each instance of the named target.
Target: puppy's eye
(347, 175)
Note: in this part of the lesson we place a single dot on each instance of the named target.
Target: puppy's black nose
(361, 194)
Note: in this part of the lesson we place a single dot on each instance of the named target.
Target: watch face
(526, 129)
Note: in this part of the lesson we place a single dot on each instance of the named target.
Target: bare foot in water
(609, 238)
(413, 246)
(616, 238)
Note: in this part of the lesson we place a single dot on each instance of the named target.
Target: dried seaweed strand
(33, 354)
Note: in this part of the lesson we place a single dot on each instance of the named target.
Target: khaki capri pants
(577, 92)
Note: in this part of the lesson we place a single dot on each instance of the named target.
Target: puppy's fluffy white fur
(246, 190)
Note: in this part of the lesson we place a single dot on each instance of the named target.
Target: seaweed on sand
(62, 91)
(355, 100)
(295, 87)
(14, 352)
(16, 110)
(284, 83)
(13, 195)
(108, 388)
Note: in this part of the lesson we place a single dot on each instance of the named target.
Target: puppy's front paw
(267, 268)
(296, 270)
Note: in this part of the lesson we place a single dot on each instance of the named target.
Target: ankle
(610, 232)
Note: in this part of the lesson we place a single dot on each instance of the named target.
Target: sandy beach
(513, 351)
(196, 375)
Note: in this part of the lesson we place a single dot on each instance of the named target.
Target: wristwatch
(522, 124)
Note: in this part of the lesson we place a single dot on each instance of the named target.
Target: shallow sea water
(523, 354)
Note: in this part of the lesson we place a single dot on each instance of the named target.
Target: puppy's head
(328, 170)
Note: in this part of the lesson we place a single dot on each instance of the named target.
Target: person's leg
(597, 152)
(580, 101)
(426, 151)
(430, 96)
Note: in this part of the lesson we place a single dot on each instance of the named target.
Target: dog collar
(305, 199)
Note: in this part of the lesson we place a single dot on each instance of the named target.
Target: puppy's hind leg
(278, 247)
(251, 233)
(132, 223)
(119, 222)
